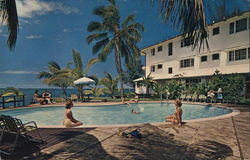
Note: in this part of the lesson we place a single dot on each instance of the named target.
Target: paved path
(226, 138)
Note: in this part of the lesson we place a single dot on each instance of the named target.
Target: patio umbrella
(83, 81)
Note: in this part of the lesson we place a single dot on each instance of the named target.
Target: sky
(50, 29)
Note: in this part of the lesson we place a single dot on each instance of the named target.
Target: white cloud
(18, 72)
(66, 30)
(33, 36)
(30, 8)
(24, 21)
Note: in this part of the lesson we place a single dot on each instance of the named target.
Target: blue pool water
(114, 114)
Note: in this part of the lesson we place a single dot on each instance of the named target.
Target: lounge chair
(194, 97)
(15, 126)
(74, 97)
(188, 97)
(183, 96)
(202, 98)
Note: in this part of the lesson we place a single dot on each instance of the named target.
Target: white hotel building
(229, 53)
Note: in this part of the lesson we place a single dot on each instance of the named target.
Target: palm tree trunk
(147, 89)
(119, 70)
(80, 95)
(64, 92)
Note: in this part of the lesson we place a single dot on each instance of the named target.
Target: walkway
(227, 138)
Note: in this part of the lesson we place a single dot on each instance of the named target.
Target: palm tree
(147, 81)
(110, 85)
(188, 16)
(8, 14)
(175, 88)
(95, 91)
(113, 36)
(11, 91)
(133, 70)
(158, 89)
(56, 76)
(79, 71)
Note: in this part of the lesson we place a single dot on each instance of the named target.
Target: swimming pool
(115, 114)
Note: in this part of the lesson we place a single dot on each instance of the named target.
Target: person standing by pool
(219, 95)
(69, 120)
(177, 117)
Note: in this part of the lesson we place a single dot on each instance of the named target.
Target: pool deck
(226, 137)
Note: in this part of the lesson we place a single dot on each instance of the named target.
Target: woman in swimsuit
(69, 121)
(177, 117)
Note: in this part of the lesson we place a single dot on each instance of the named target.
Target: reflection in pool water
(115, 114)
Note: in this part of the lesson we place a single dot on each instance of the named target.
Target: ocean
(56, 92)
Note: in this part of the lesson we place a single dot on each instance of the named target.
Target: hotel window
(249, 23)
(231, 28)
(170, 70)
(170, 49)
(237, 55)
(187, 63)
(240, 54)
(159, 48)
(216, 56)
(152, 52)
(216, 30)
(203, 58)
(241, 25)
(159, 66)
(152, 68)
(187, 42)
(231, 56)
(249, 53)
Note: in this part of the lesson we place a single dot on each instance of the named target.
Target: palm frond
(94, 26)
(77, 59)
(43, 75)
(128, 20)
(8, 14)
(100, 45)
(99, 11)
(188, 16)
(96, 36)
(90, 63)
(54, 64)
(106, 51)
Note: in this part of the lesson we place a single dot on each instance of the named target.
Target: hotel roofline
(207, 25)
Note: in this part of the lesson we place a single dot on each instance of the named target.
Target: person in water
(177, 116)
(69, 120)
(134, 112)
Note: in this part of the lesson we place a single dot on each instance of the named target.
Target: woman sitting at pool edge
(69, 120)
(177, 117)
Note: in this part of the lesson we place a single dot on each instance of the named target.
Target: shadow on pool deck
(159, 144)
(156, 143)
(31, 150)
(226, 138)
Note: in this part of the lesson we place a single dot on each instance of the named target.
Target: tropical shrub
(232, 85)
(110, 84)
(174, 88)
(158, 89)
